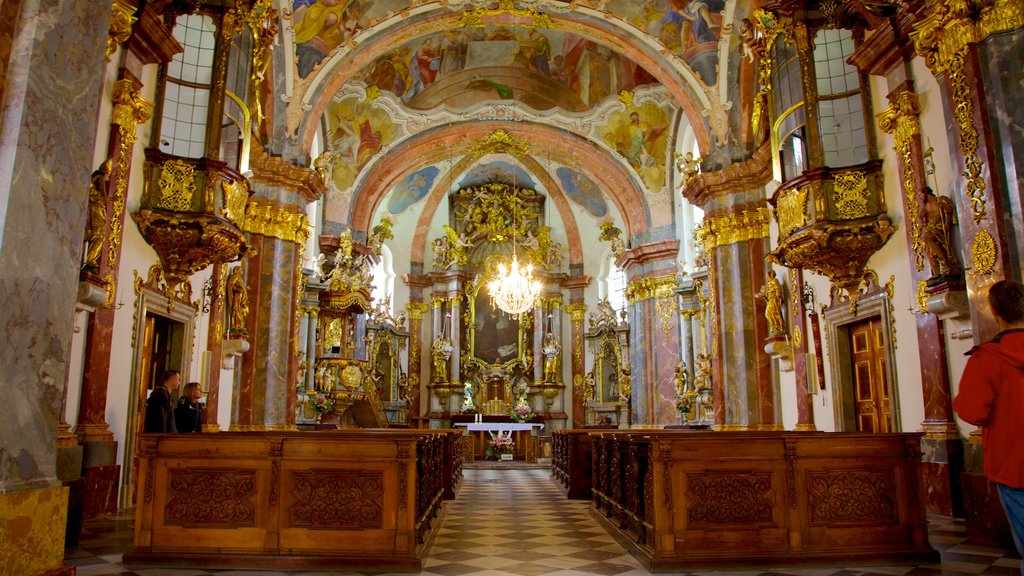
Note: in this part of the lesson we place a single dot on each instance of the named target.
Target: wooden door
(870, 384)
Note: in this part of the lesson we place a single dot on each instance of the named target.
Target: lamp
(514, 290)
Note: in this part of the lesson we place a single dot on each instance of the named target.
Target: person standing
(159, 416)
(188, 414)
(991, 395)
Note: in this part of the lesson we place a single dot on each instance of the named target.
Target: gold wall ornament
(499, 142)
(236, 197)
(577, 313)
(122, 18)
(736, 227)
(129, 110)
(943, 38)
(902, 121)
(647, 288)
(851, 195)
(983, 253)
(110, 287)
(177, 186)
(482, 16)
(416, 310)
(791, 210)
(276, 222)
(922, 296)
(611, 233)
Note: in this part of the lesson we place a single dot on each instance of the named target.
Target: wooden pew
(681, 500)
(343, 500)
(572, 462)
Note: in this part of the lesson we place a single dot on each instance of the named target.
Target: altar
(479, 434)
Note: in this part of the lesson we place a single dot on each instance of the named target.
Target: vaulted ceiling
(584, 101)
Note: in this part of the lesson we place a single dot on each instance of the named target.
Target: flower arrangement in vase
(522, 411)
(323, 404)
(499, 444)
(686, 403)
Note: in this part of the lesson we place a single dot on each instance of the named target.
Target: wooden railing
(684, 499)
(343, 500)
(572, 462)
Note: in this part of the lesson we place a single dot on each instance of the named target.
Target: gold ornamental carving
(499, 142)
(943, 39)
(482, 16)
(921, 295)
(122, 17)
(902, 121)
(416, 311)
(177, 186)
(791, 211)
(236, 197)
(736, 227)
(851, 195)
(983, 253)
(129, 110)
(276, 222)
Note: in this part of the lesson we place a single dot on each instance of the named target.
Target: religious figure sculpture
(440, 361)
(322, 165)
(688, 166)
(552, 357)
(97, 223)
(682, 379)
(771, 293)
(239, 303)
(938, 217)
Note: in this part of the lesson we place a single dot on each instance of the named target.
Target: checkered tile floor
(517, 522)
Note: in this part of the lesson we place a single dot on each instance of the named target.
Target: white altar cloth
(505, 427)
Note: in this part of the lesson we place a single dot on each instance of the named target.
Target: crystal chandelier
(515, 290)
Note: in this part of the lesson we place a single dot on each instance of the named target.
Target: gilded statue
(239, 300)
(97, 224)
(938, 217)
(688, 166)
(682, 378)
(440, 361)
(771, 293)
(552, 359)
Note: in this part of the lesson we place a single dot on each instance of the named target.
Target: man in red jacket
(992, 396)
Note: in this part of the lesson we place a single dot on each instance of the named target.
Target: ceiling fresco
(382, 74)
(544, 69)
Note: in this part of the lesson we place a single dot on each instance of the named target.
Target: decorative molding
(740, 177)
(902, 121)
(482, 16)
(741, 226)
(274, 171)
(122, 18)
(851, 496)
(276, 221)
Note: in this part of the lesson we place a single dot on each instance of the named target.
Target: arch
(680, 81)
(438, 144)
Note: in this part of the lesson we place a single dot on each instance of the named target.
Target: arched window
(612, 284)
(187, 87)
(384, 278)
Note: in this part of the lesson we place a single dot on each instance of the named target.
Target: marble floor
(517, 522)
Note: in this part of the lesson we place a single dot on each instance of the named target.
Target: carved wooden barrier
(684, 500)
(572, 462)
(359, 499)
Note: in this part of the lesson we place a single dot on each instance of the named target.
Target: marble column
(735, 238)
(800, 340)
(578, 311)
(277, 228)
(100, 470)
(416, 310)
(52, 62)
(943, 452)
(215, 345)
(653, 331)
(971, 64)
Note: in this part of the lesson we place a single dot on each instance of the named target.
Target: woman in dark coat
(188, 414)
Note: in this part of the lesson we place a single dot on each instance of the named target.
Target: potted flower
(323, 404)
(686, 402)
(500, 447)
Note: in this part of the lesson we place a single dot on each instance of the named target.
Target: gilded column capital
(654, 287)
(276, 222)
(130, 108)
(577, 312)
(902, 121)
(122, 18)
(741, 226)
(416, 311)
